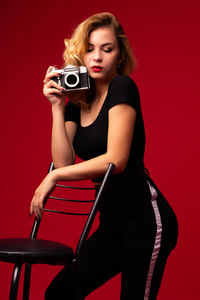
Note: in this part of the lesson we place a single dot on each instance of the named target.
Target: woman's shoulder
(122, 89)
(123, 80)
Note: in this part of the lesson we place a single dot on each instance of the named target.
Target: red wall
(165, 38)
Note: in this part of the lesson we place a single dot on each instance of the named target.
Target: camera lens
(71, 79)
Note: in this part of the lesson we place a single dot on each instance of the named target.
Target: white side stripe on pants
(157, 243)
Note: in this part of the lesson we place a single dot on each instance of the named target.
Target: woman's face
(102, 55)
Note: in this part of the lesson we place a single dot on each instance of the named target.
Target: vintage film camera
(72, 78)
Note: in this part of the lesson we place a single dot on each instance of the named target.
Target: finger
(52, 91)
(52, 87)
(39, 205)
(38, 212)
(49, 69)
(54, 84)
(51, 75)
(36, 206)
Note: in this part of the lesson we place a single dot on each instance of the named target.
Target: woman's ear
(119, 65)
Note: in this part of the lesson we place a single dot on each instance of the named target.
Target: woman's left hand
(41, 194)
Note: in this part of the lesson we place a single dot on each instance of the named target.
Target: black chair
(28, 251)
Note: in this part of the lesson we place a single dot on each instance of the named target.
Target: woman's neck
(100, 88)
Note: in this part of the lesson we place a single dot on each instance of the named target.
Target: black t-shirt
(91, 141)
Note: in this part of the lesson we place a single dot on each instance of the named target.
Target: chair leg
(15, 282)
(77, 279)
(27, 279)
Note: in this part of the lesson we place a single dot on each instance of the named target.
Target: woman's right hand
(55, 93)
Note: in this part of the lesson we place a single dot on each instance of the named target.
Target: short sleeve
(72, 112)
(123, 89)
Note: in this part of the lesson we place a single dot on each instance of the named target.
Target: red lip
(97, 68)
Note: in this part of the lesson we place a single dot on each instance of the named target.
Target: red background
(165, 38)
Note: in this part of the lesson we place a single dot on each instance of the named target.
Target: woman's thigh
(146, 246)
(99, 261)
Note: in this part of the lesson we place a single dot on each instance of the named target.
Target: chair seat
(23, 250)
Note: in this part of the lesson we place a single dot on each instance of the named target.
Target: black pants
(136, 242)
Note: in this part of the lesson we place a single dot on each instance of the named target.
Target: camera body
(72, 78)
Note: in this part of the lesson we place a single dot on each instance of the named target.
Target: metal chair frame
(33, 236)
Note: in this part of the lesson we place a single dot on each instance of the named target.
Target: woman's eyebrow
(106, 44)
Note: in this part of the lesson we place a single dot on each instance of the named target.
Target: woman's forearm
(92, 168)
(61, 148)
(85, 170)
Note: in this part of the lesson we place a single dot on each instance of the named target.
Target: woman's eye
(108, 50)
(89, 49)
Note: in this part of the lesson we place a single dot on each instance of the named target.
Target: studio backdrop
(165, 38)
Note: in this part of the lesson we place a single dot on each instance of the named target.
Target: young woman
(138, 229)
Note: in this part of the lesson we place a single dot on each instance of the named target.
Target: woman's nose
(97, 56)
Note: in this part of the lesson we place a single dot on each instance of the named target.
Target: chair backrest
(91, 215)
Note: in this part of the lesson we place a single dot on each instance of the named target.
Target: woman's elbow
(59, 164)
(120, 165)
(119, 168)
